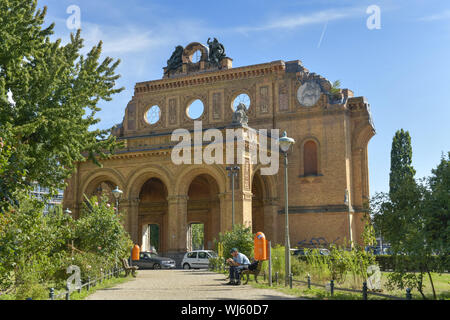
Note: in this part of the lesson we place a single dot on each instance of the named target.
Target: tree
(402, 170)
(240, 237)
(197, 231)
(55, 91)
(438, 213)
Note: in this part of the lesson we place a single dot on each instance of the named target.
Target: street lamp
(347, 203)
(117, 193)
(285, 144)
(233, 172)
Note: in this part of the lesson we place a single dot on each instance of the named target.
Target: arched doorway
(152, 216)
(203, 208)
(257, 204)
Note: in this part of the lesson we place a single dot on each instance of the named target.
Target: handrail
(89, 283)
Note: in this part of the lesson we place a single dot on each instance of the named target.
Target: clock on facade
(309, 93)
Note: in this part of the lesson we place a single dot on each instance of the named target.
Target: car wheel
(156, 266)
(186, 266)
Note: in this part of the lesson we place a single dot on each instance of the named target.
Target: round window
(242, 98)
(196, 56)
(195, 109)
(153, 115)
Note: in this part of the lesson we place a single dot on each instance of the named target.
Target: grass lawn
(441, 284)
(107, 283)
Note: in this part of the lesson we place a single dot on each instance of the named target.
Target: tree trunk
(432, 285)
(420, 286)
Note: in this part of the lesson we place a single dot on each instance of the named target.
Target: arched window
(310, 159)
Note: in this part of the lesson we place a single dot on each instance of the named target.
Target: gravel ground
(184, 285)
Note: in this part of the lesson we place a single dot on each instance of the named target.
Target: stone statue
(175, 60)
(216, 52)
(240, 116)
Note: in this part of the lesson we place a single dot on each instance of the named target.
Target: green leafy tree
(197, 230)
(438, 213)
(241, 238)
(55, 92)
(402, 171)
(100, 230)
(403, 223)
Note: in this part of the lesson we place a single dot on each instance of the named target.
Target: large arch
(97, 177)
(203, 207)
(187, 175)
(141, 175)
(153, 214)
(265, 204)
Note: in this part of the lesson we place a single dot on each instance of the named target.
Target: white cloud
(299, 20)
(439, 16)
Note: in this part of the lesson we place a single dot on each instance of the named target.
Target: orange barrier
(260, 246)
(135, 252)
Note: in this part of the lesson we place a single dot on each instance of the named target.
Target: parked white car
(197, 259)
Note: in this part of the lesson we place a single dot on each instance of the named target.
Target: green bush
(240, 237)
(36, 249)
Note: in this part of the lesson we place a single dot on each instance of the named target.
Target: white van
(197, 259)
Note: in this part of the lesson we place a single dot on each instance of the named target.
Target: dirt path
(183, 285)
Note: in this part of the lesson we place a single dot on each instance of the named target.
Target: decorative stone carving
(264, 99)
(283, 97)
(240, 116)
(216, 52)
(173, 111)
(309, 93)
(175, 60)
(217, 105)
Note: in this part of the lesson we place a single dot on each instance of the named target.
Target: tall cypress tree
(402, 170)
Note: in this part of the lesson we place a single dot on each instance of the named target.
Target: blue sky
(403, 68)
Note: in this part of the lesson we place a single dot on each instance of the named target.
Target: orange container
(135, 252)
(260, 246)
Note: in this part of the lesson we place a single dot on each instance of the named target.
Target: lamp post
(117, 193)
(233, 172)
(285, 144)
(347, 203)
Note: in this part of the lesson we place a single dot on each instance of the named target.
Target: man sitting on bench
(238, 263)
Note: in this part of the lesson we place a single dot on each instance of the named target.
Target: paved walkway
(183, 285)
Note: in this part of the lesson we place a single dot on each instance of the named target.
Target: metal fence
(330, 286)
(65, 295)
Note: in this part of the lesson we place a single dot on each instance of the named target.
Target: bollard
(408, 294)
(332, 287)
(276, 277)
(89, 284)
(309, 281)
(364, 290)
(264, 275)
(52, 294)
(67, 292)
(290, 280)
(81, 286)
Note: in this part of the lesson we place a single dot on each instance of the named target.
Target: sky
(398, 59)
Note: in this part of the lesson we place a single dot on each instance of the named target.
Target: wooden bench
(254, 272)
(129, 269)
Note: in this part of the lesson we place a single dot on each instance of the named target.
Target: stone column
(132, 213)
(270, 220)
(225, 211)
(177, 223)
